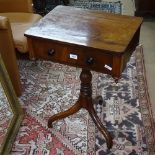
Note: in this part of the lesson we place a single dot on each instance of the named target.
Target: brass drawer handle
(51, 52)
(90, 61)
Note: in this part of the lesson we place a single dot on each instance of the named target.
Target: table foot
(75, 108)
(98, 100)
(100, 126)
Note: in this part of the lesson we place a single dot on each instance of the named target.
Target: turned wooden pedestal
(85, 101)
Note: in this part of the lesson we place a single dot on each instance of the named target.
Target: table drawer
(73, 55)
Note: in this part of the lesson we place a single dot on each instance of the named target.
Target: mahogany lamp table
(91, 40)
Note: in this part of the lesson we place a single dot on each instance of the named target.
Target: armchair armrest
(8, 53)
(3, 22)
(16, 6)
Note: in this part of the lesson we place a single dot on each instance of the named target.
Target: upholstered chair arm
(3, 23)
(16, 6)
(7, 51)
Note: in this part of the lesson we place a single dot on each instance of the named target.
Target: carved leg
(100, 126)
(87, 103)
(75, 108)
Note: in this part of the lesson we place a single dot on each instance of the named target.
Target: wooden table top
(95, 29)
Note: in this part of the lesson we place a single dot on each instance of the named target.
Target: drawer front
(72, 55)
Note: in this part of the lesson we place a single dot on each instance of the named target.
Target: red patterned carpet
(50, 88)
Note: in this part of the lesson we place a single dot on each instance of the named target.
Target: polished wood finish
(87, 34)
(91, 40)
(61, 54)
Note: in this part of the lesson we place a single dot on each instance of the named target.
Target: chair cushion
(20, 22)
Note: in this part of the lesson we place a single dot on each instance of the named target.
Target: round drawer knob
(51, 52)
(90, 61)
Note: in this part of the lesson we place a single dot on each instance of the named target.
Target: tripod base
(85, 101)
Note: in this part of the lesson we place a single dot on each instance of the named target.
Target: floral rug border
(146, 107)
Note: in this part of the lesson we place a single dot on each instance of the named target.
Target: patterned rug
(49, 88)
(5, 114)
(107, 6)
